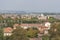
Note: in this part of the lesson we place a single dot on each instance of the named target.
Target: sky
(31, 5)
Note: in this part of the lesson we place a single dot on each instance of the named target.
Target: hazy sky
(31, 5)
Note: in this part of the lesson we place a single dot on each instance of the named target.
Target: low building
(29, 25)
(15, 26)
(40, 27)
(25, 26)
(8, 31)
(48, 24)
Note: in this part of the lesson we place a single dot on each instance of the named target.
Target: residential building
(8, 31)
(48, 24)
(40, 27)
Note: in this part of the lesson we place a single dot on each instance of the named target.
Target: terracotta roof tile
(8, 29)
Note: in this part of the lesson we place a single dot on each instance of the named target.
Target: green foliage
(52, 19)
(55, 31)
(45, 37)
(19, 34)
(1, 17)
(32, 32)
(1, 34)
(6, 38)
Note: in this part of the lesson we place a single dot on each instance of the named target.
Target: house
(8, 31)
(29, 25)
(15, 26)
(42, 28)
(48, 24)
(25, 26)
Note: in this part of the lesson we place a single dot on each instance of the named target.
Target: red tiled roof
(30, 25)
(8, 29)
(33, 25)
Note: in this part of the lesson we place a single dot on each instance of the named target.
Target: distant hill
(11, 11)
(23, 12)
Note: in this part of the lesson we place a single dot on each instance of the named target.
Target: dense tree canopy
(1, 34)
(32, 32)
(19, 34)
(55, 31)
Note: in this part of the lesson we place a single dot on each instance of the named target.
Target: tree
(45, 37)
(19, 34)
(55, 31)
(32, 32)
(1, 34)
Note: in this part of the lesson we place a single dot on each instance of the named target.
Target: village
(40, 23)
(12, 22)
(29, 19)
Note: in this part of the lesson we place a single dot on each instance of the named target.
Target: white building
(41, 16)
(48, 24)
